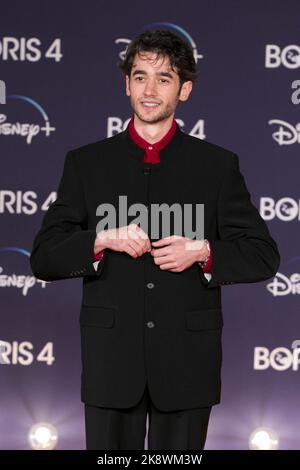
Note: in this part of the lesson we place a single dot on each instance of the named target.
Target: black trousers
(125, 428)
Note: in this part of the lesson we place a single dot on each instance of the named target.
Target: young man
(151, 316)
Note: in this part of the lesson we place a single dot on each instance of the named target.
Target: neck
(152, 132)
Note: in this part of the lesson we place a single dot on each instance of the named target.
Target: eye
(164, 80)
(139, 78)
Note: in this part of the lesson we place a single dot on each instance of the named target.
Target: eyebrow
(161, 74)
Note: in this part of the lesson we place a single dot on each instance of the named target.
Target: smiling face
(154, 88)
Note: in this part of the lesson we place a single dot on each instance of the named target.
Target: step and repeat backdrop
(60, 88)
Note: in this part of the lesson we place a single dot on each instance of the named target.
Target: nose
(150, 87)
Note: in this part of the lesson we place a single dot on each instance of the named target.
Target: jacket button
(150, 324)
(150, 285)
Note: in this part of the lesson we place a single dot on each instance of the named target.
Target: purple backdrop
(63, 90)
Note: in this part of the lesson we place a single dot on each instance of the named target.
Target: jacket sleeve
(244, 250)
(64, 248)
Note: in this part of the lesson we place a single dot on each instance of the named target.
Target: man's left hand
(177, 253)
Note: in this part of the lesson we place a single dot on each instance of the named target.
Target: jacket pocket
(97, 316)
(208, 319)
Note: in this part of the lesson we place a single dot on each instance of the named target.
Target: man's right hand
(131, 239)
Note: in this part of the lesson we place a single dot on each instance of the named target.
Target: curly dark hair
(164, 43)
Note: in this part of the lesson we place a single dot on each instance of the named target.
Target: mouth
(150, 104)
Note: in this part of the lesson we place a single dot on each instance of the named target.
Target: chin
(152, 119)
(148, 119)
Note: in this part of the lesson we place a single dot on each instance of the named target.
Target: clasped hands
(173, 253)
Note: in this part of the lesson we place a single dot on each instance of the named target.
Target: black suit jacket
(138, 322)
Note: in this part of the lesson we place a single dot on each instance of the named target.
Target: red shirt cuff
(98, 256)
(207, 267)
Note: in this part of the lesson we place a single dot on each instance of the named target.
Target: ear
(127, 86)
(185, 90)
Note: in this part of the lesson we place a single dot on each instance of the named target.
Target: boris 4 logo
(23, 202)
(288, 56)
(280, 358)
(285, 209)
(22, 353)
(29, 49)
(29, 130)
(115, 125)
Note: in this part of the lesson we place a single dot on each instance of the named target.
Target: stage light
(42, 436)
(263, 439)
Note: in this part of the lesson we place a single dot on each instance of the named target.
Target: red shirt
(151, 154)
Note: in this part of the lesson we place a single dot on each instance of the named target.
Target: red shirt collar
(151, 150)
